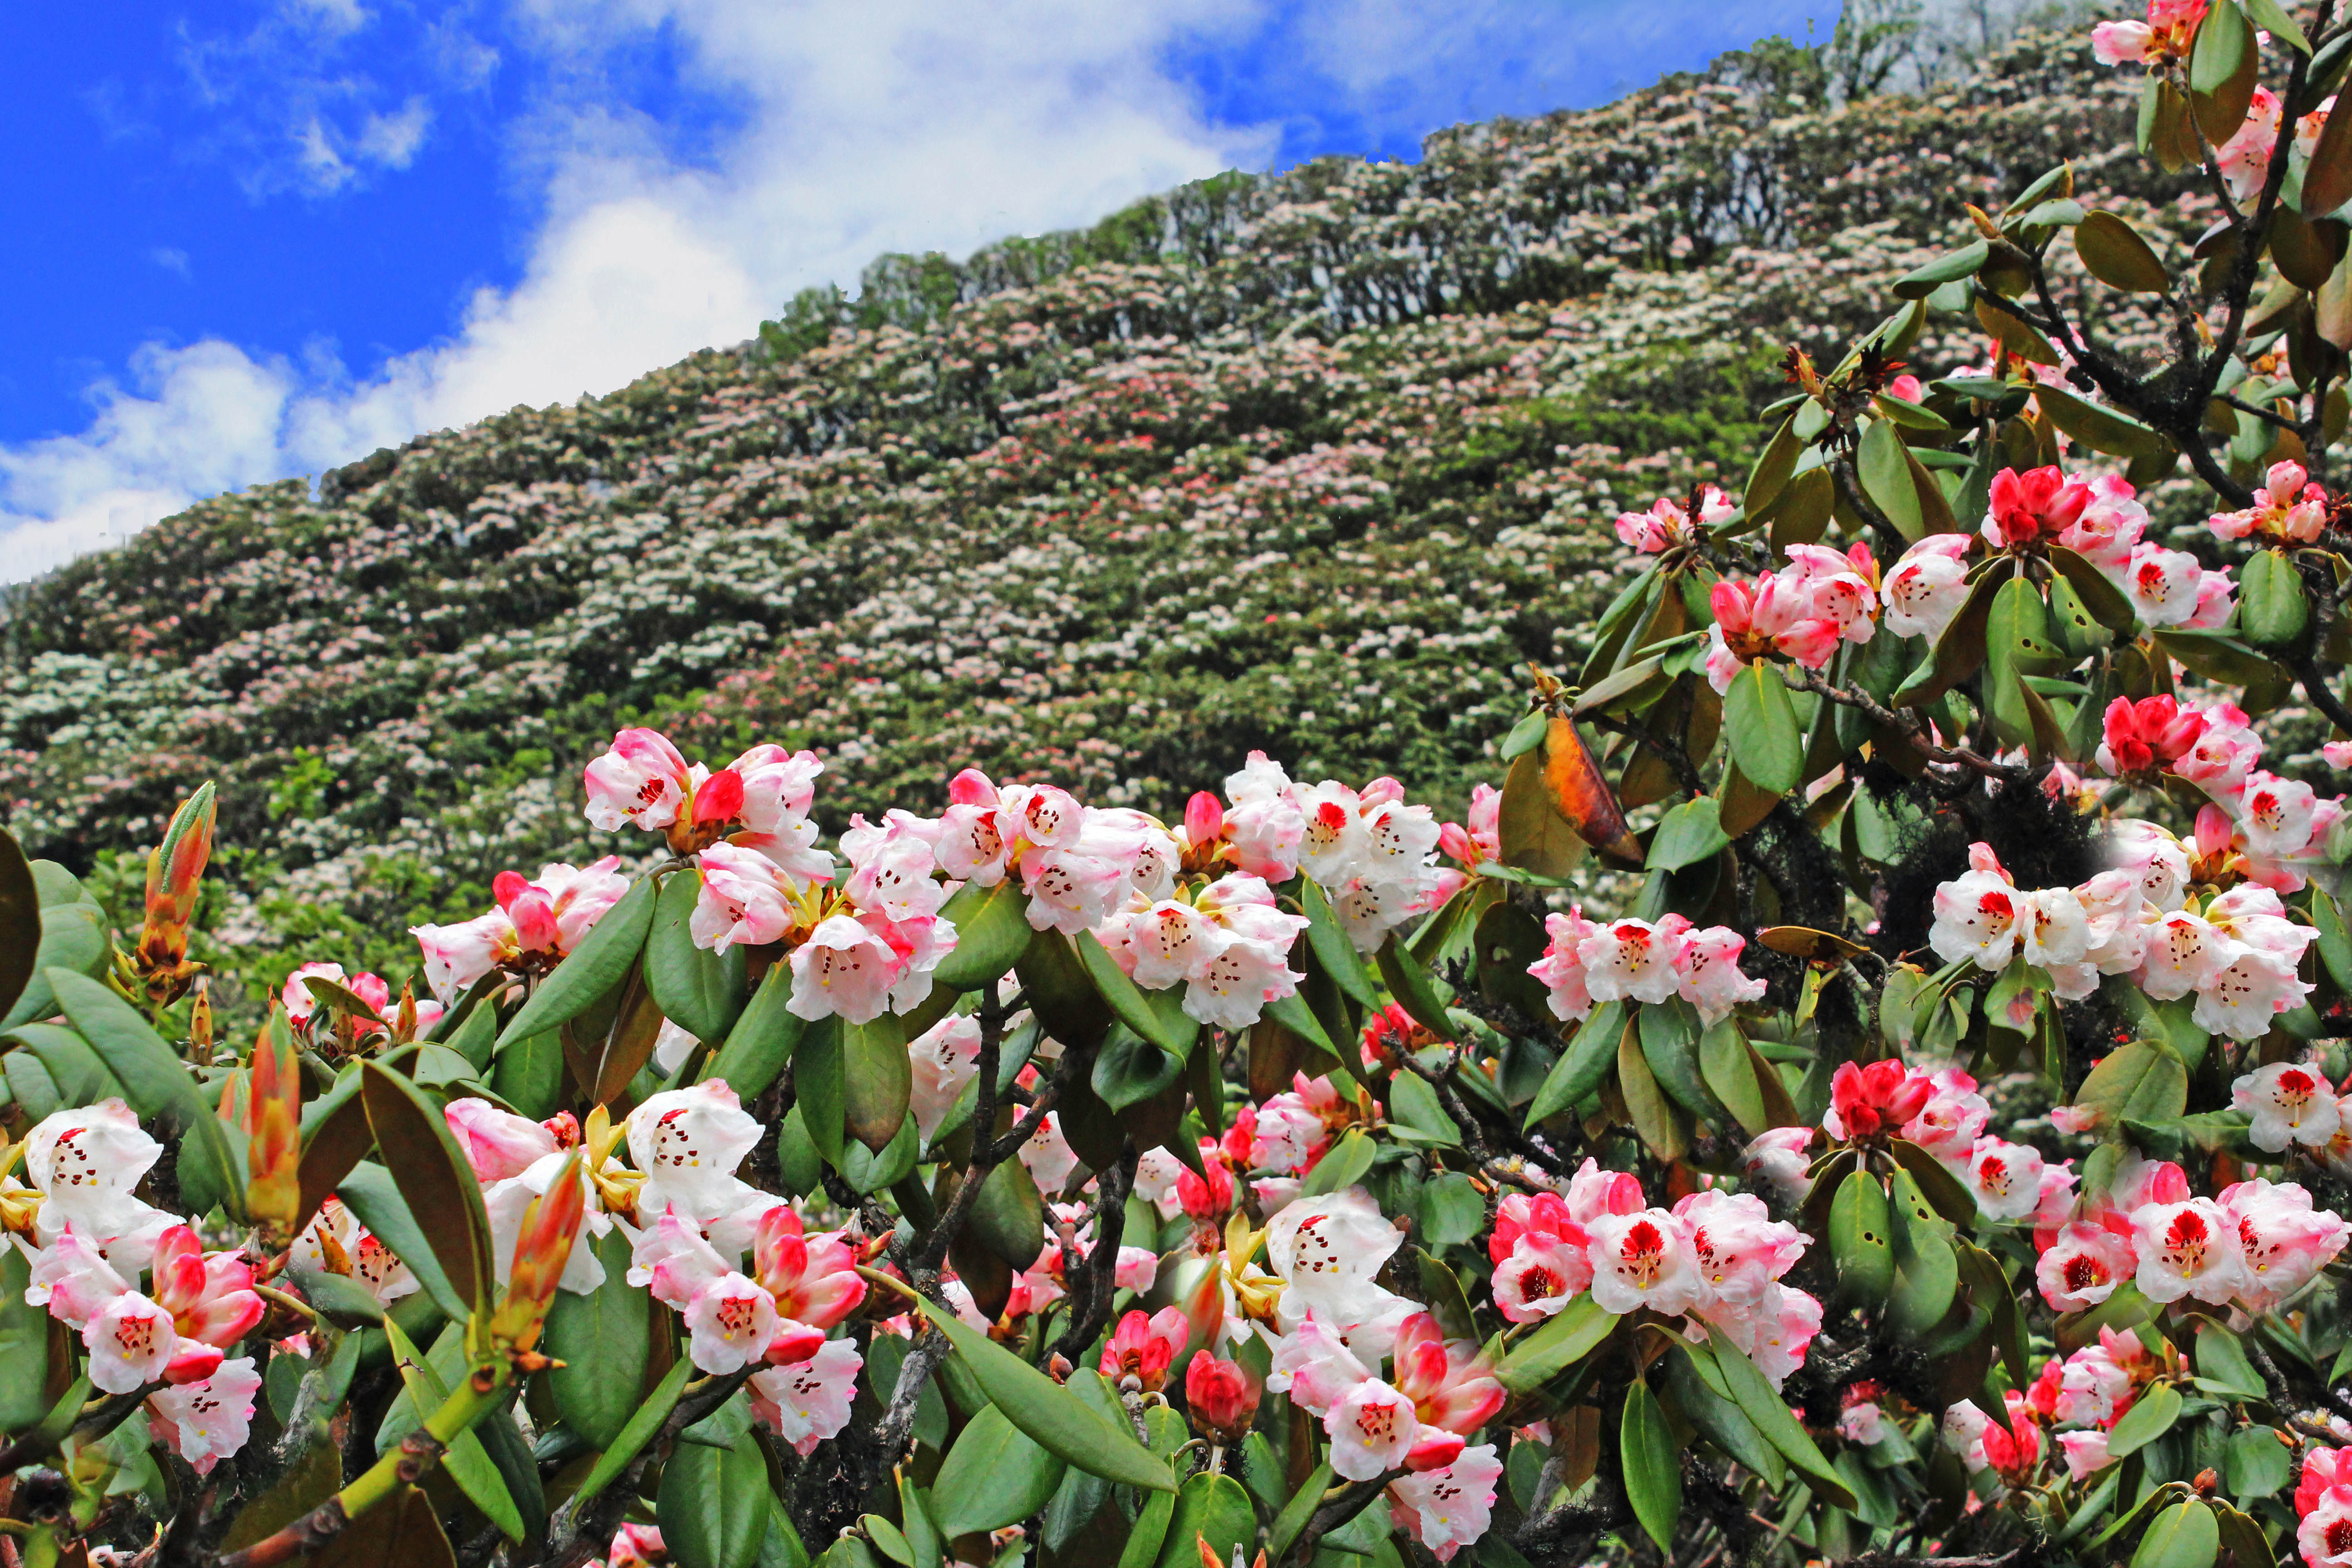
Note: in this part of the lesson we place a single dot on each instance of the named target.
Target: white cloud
(865, 125)
(393, 140)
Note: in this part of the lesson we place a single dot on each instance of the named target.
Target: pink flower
(1373, 1429)
(1707, 974)
(641, 779)
(1754, 620)
(1480, 840)
(635, 1546)
(1667, 523)
(1955, 1115)
(2120, 43)
(1864, 1100)
(689, 1142)
(205, 1422)
(1740, 1248)
(730, 1322)
(2108, 527)
(86, 1161)
(497, 1143)
(1927, 586)
(210, 1298)
(944, 1059)
(1048, 1157)
(1137, 1268)
(808, 1401)
(1448, 1509)
(2006, 1178)
(2144, 736)
(2244, 160)
(456, 956)
(1633, 960)
(1451, 1384)
(1560, 971)
(1780, 1156)
(2282, 1241)
(2186, 1248)
(1541, 1275)
(1328, 1248)
(812, 1279)
(845, 967)
(1220, 1396)
(2085, 1452)
(2027, 507)
(552, 913)
(2287, 1103)
(1644, 1259)
(132, 1344)
(2164, 586)
(744, 899)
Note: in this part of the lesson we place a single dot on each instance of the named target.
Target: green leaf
(20, 922)
(2099, 595)
(762, 1040)
(713, 1506)
(993, 931)
(375, 1200)
(2328, 180)
(2272, 17)
(73, 937)
(2141, 1080)
(1693, 1378)
(81, 1079)
(1562, 1339)
(1581, 1067)
(1940, 1188)
(2273, 609)
(1342, 1165)
(1669, 1037)
(1334, 948)
(1884, 470)
(2335, 941)
(1413, 988)
(25, 1395)
(2184, 1535)
(1760, 723)
(1152, 1522)
(2218, 658)
(699, 991)
(2150, 1418)
(1414, 1105)
(1129, 1070)
(1008, 1215)
(2221, 1361)
(877, 1081)
(1296, 1513)
(1861, 1239)
(604, 1340)
(1164, 1026)
(2222, 61)
(643, 1423)
(1687, 835)
(995, 1475)
(1653, 1466)
(1049, 1413)
(588, 975)
(2113, 253)
(1526, 735)
(1763, 1404)
(1531, 833)
(1212, 1510)
(435, 1180)
(1922, 282)
(2256, 1465)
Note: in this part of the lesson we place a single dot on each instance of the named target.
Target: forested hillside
(1315, 462)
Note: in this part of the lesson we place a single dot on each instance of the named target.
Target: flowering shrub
(1864, 1089)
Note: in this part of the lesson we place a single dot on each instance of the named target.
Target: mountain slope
(1314, 463)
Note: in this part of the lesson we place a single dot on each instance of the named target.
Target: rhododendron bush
(1864, 1088)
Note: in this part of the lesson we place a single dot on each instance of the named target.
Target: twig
(1950, 756)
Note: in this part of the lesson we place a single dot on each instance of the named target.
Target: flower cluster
(2076, 1401)
(2288, 509)
(534, 924)
(2145, 919)
(1642, 961)
(2253, 1246)
(2260, 825)
(1941, 1113)
(1669, 524)
(2163, 37)
(90, 1242)
(1806, 610)
(1716, 1257)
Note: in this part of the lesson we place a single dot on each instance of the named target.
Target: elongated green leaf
(1168, 1028)
(2150, 1418)
(1413, 988)
(642, 1424)
(81, 1079)
(1690, 833)
(1342, 1165)
(1050, 1413)
(1580, 1067)
(434, 1180)
(992, 933)
(1296, 1513)
(2272, 608)
(1952, 266)
(995, 1475)
(2092, 586)
(1861, 1246)
(2328, 182)
(1653, 1466)
(73, 937)
(876, 1081)
(1693, 1376)
(1763, 1404)
(20, 922)
(25, 1395)
(1334, 948)
(1564, 1339)
(604, 1340)
(699, 991)
(338, 1141)
(1884, 471)
(594, 968)
(713, 1506)
(1760, 725)
(762, 1040)
(2113, 253)
(2222, 63)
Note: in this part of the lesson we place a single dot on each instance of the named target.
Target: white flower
(1328, 1248)
(1371, 1430)
(808, 1401)
(2287, 1103)
(1644, 1259)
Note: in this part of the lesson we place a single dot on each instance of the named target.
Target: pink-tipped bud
(506, 886)
(971, 787)
(1204, 819)
(1221, 1396)
(550, 1227)
(274, 1150)
(718, 798)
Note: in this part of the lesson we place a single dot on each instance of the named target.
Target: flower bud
(1219, 1394)
(274, 1125)
(175, 873)
(550, 1227)
(1204, 818)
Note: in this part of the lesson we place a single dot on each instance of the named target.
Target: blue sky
(257, 237)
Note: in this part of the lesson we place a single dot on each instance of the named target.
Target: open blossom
(551, 914)
(1779, 1156)
(744, 898)
(689, 1142)
(1756, 620)
(641, 779)
(2244, 160)
(2283, 1240)
(2287, 1103)
(207, 1421)
(1448, 1509)
(1637, 961)
(944, 1057)
(1668, 522)
(806, 1402)
(1982, 915)
(1328, 1248)
(2167, 32)
(2165, 586)
(2083, 1267)
(1644, 1259)
(2186, 1248)
(2005, 1178)
(1926, 587)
